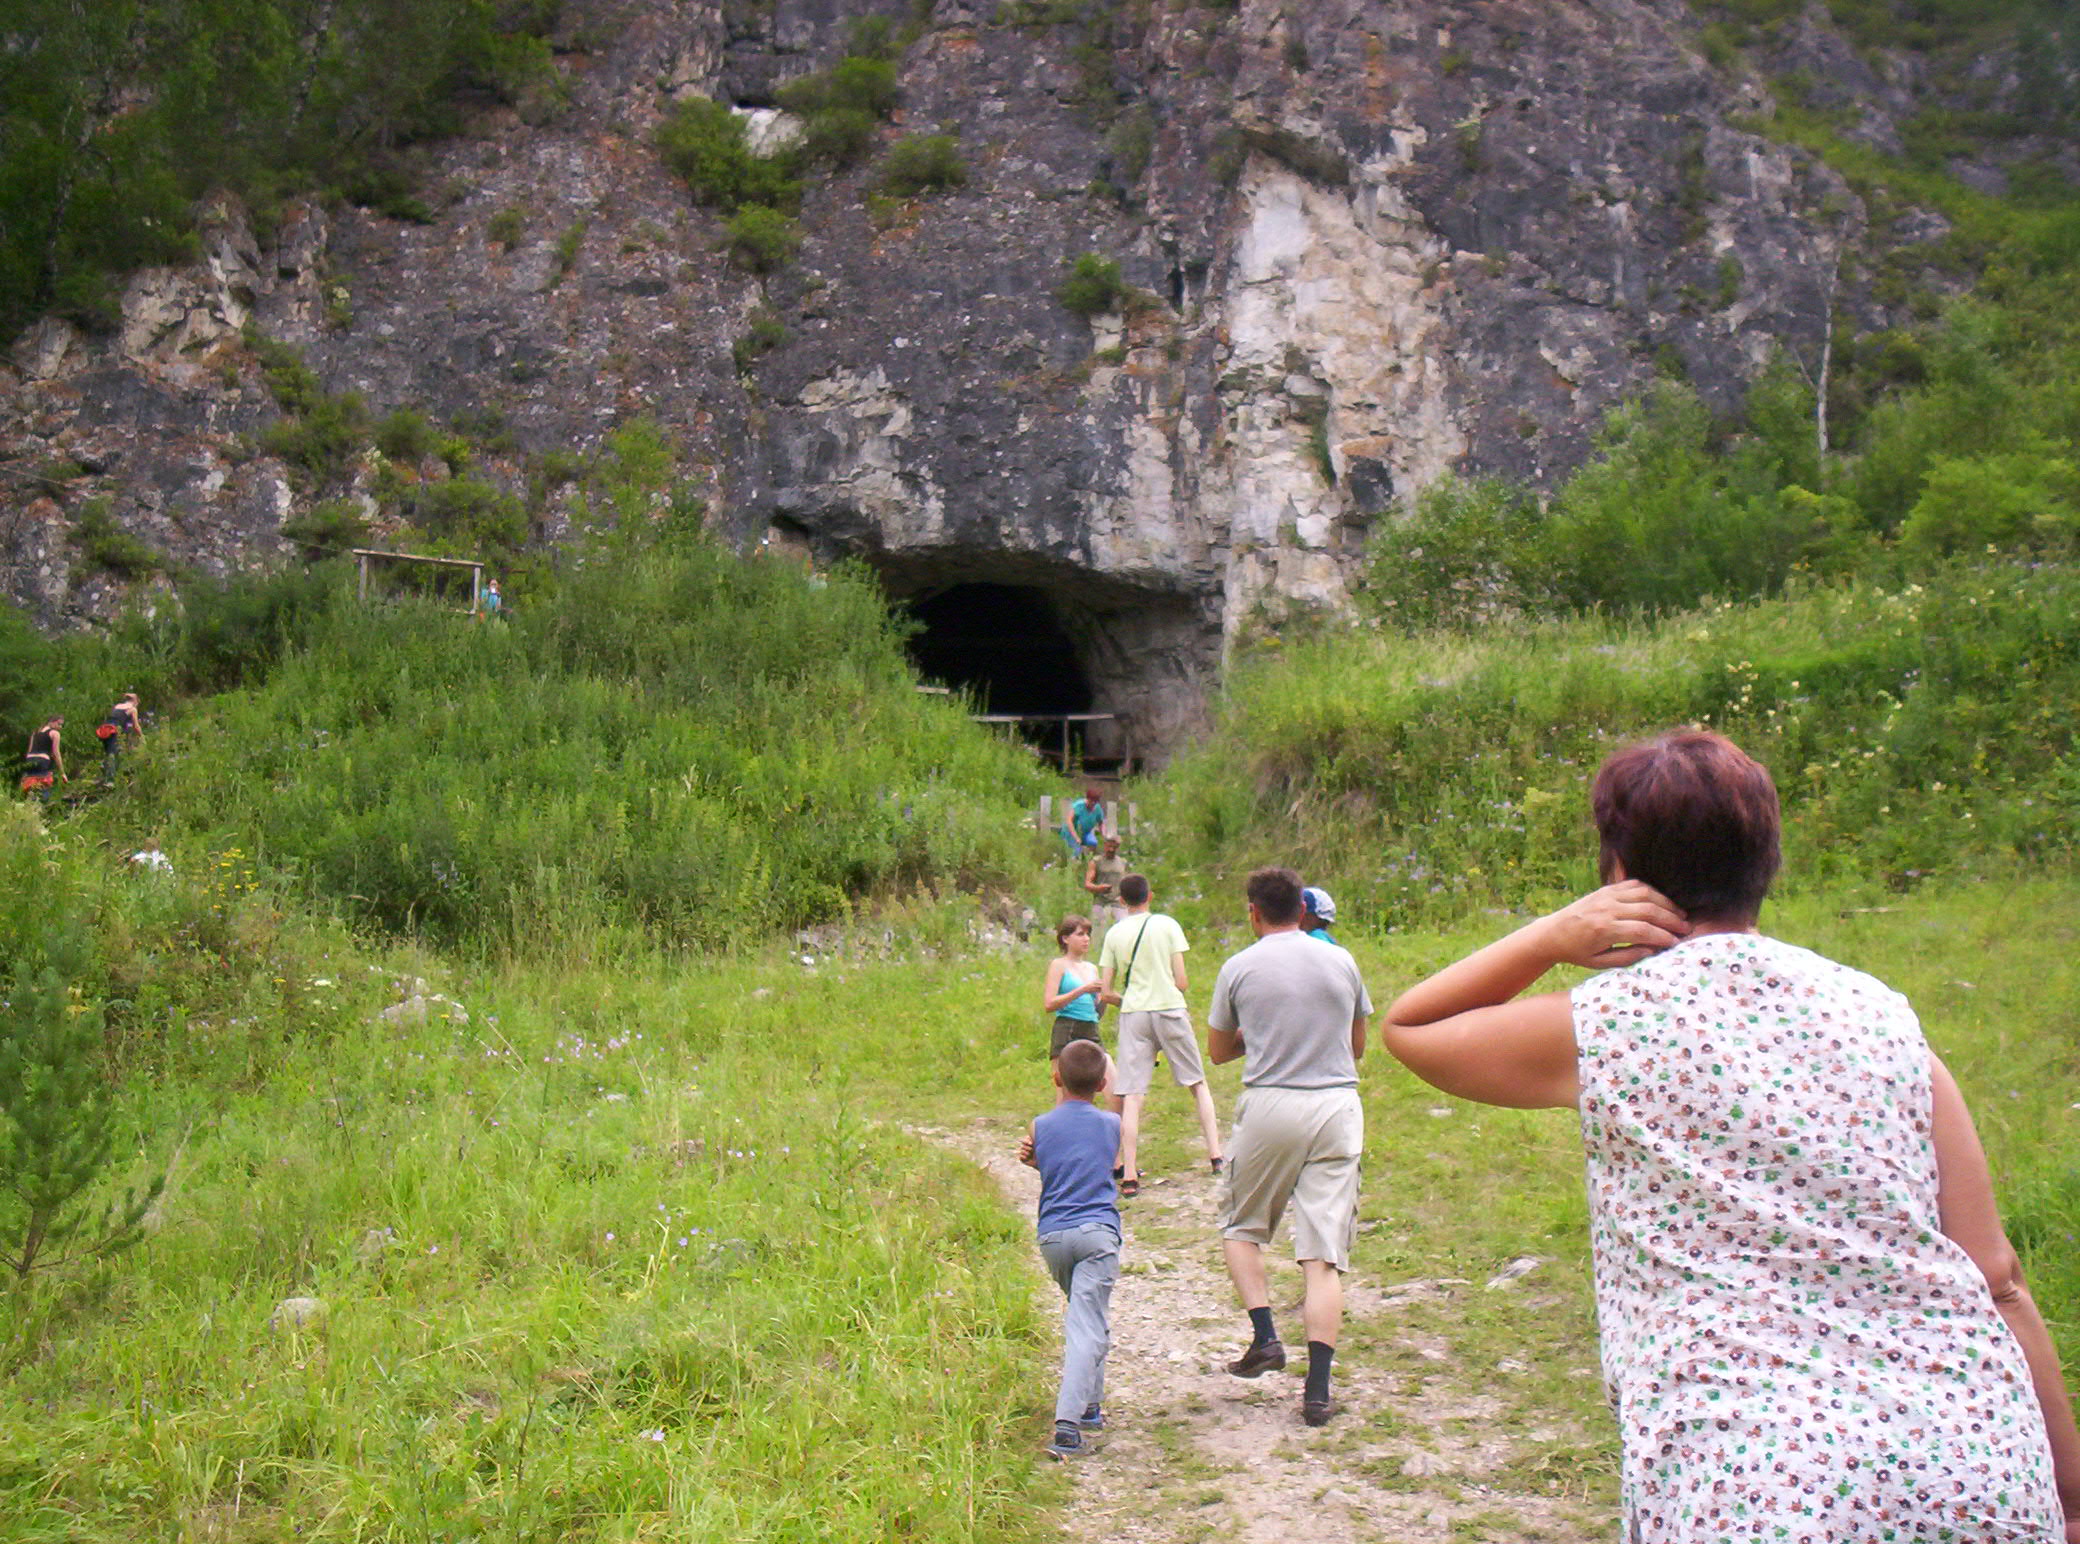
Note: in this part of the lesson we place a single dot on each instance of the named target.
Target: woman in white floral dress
(1813, 1327)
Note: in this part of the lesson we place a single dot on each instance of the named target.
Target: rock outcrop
(1371, 242)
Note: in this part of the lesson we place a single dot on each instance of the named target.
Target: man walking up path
(1144, 953)
(1295, 1008)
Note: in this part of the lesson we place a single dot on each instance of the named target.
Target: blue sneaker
(1093, 1418)
(1067, 1443)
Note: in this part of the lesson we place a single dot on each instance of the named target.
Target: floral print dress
(1795, 1349)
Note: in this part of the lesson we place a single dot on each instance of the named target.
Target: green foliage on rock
(106, 546)
(703, 142)
(120, 116)
(1092, 286)
(760, 240)
(923, 163)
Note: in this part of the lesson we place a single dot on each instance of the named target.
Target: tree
(57, 1130)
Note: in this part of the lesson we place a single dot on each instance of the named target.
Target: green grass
(1913, 730)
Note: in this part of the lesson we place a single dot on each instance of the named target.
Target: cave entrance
(1005, 646)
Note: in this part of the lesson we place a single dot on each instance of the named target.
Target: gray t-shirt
(1294, 998)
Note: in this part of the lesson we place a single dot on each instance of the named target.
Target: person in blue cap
(1317, 911)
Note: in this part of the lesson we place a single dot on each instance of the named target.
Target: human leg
(1131, 1074)
(1209, 1121)
(1084, 1262)
(1246, 1271)
(1322, 1308)
(1129, 1135)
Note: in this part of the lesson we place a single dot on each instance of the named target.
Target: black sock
(1318, 1358)
(1261, 1326)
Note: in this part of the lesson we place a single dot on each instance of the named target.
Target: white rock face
(1335, 348)
(768, 130)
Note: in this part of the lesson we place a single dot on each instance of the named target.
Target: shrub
(1092, 286)
(323, 438)
(838, 136)
(468, 515)
(924, 163)
(104, 544)
(767, 332)
(508, 227)
(405, 435)
(841, 106)
(329, 529)
(703, 142)
(1661, 518)
(2028, 498)
(759, 239)
(568, 246)
(1466, 555)
(860, 82)
(57, 1102)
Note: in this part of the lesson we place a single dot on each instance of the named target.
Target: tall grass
(674, 745)
(1912, 731)
(606, 1254)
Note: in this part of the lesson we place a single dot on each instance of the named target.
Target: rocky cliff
(1374, 241)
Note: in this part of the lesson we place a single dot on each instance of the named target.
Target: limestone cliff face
(1377, 242)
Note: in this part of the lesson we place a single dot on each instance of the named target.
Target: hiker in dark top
(123, 719)
(45, 759)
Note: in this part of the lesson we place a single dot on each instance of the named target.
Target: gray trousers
(1085, 1264)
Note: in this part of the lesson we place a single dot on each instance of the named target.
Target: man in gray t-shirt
(1296, 1009)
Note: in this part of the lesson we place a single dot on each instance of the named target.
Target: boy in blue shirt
(1073, 1146)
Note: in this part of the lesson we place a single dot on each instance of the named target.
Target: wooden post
(1046, 809)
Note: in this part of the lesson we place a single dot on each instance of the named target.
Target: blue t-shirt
(1074, 1145)
(1084, 1007)
(1322, 933)
(1084, 818)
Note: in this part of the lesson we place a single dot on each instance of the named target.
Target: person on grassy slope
(1101, 877)
(1071, 987)
(1317, 912)
(123, 719)
(1084, 820)
(1144, 952)
(44, 762)
(1296, 1010)
(1813, 1325)
(1079, 1234)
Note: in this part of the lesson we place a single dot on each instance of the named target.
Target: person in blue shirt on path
(1083, 824)
(1072, 1146)
(1317, 911)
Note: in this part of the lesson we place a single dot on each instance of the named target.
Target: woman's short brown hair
(1695, 816)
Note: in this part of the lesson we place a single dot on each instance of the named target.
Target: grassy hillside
(1914, 731)
(621, 1236)
(668, 744)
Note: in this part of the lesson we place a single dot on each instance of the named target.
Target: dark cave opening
(1003, 644)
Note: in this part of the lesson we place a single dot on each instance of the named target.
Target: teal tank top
(1084, 1007)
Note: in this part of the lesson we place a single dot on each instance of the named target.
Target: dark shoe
(1265, 1356)
(1129, 1188)
(1093, 1418)
(1316, 1412)
(1215, 1164)
(1067, 1442)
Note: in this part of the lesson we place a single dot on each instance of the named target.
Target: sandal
(1129, 1188)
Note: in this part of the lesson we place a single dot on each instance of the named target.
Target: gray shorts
(1141, 1035)
(1297, 1145)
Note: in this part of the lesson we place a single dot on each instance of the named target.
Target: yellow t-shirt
(1150, 987)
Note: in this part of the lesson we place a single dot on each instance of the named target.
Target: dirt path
(1191, 1454)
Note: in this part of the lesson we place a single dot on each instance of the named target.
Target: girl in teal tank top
(1069, 990)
